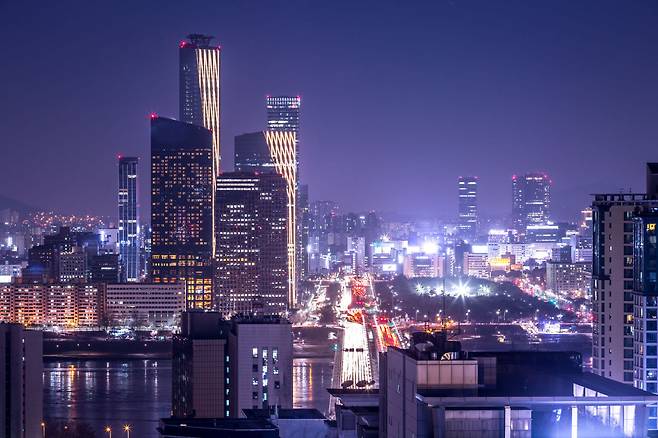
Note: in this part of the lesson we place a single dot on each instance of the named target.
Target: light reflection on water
(311, 377)
(138, 392)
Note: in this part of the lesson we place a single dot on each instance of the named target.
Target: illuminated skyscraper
(531, 199)
(283, 150)
(283, 116)
(181, 208)
(468, 211)
(200, 93)
(251, 263)
(128, 226)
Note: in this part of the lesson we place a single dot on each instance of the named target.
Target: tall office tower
(283, 116)
(468, 207)
(304, 226)
(532, 199)
(612, 280)
(260, 352)
(199, 88)
(128, 225)
(252, 153)
(182, 208)
(21, 382)
(199, 376)
(251, 262)
(283, 150)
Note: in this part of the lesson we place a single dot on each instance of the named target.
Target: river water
(138, 392)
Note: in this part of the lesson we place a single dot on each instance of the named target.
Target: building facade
(145, 304)
(182, 208)
(570, 280)
(260, 352)
(251, 263)
(283, 150)
(128, 219)
(468, 211)
(61, 305)
(612, 283)
(531, 200)
(222, 367)
(21, 382)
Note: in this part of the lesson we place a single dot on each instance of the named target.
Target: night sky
(398, 98)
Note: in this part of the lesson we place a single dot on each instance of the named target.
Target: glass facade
(468, 189)
(531, 199)
(128, 220)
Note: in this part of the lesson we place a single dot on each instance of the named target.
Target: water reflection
(110, 393)
(311, 377)
(138, 392)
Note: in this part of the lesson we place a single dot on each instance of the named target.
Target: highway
(365, 334)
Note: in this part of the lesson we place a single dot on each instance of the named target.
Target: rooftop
(286, 414)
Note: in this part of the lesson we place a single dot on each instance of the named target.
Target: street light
(108, 430)
(43, 429)
(126, 428)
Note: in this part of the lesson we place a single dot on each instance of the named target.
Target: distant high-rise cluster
(531, 199)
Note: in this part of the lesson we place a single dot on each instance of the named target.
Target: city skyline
(576, 83)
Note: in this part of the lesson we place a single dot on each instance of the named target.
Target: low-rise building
(436, 389)
(53, 304)
(153, 305)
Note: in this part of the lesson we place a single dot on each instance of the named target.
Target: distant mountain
(21, 207)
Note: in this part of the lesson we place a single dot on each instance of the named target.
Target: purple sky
(398, 98)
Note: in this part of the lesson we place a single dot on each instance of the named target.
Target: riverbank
(309, 342)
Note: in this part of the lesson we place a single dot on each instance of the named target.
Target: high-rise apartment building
(531, 199)
(182, 208)
(616, 264)
(468, 211)
(612, 283)
(251, 262)
(21, 382)
(128, 219)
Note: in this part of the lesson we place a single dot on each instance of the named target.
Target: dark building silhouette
(252, 153)
(181, 208)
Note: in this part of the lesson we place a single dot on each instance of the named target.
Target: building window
(254, 353)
